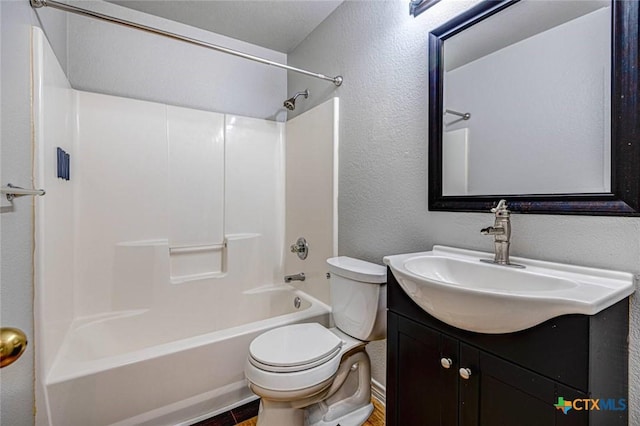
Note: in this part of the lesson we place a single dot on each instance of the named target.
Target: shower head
(290, 103)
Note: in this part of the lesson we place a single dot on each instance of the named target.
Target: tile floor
(234, 417)
(245, 416)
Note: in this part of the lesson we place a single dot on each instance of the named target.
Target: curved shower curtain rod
(337, 80)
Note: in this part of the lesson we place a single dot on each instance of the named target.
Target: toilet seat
(294, 348)
(307, 375)
(293, 368)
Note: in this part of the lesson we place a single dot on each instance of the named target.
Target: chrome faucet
(501, 230)
(296, 277)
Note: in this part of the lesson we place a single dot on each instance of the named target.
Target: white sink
(455, 287)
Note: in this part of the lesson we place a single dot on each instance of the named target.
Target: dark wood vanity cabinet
(515, 379)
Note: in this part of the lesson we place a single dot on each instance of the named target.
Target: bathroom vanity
(442, 375)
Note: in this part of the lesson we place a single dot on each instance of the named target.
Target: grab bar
(183, 249)
(464, 115)
(15, 191)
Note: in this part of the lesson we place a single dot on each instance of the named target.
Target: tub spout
(296, 277)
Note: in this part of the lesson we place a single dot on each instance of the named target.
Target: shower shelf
(196, 262)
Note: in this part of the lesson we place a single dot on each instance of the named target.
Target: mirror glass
(527, 101)
(536, 102)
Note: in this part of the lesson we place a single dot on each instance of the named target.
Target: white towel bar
(15, 191)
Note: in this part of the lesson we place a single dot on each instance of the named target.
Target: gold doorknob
(13, 342)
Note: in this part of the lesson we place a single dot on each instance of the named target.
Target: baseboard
(378, 391)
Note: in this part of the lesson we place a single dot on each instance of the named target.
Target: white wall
(382, 53)
(540, 111)
(54, 24)
(116, 60)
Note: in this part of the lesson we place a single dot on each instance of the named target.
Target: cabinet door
(423, 391)
(508, 394)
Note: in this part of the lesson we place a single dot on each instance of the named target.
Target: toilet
(310, 375)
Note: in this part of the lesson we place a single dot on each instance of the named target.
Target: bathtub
(144, 367)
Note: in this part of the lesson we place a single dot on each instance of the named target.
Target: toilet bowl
(308, 375)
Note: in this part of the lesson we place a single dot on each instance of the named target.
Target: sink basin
(454, 286)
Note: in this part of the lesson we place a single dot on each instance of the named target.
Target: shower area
(161, 248)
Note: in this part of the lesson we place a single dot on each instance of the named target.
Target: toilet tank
(359, 297)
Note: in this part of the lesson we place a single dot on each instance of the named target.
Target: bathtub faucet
(501, 231)
(296, 277)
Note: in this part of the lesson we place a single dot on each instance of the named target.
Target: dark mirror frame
(624, 200)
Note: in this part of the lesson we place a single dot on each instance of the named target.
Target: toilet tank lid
(357, 269)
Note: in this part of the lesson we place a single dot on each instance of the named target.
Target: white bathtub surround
(455, 160)
(254, 189)
(196, 192)
(142, 282)
(162, 257)
(149, 172)
(54, 110)
(312, 191)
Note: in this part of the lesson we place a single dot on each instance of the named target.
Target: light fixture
(416, 7)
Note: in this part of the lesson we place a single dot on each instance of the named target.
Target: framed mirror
(536, 102)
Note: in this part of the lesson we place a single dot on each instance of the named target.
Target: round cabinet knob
(446, 362)
(465, 373)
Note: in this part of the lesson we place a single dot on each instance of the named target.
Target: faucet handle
(501, 209)
(301, 248)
